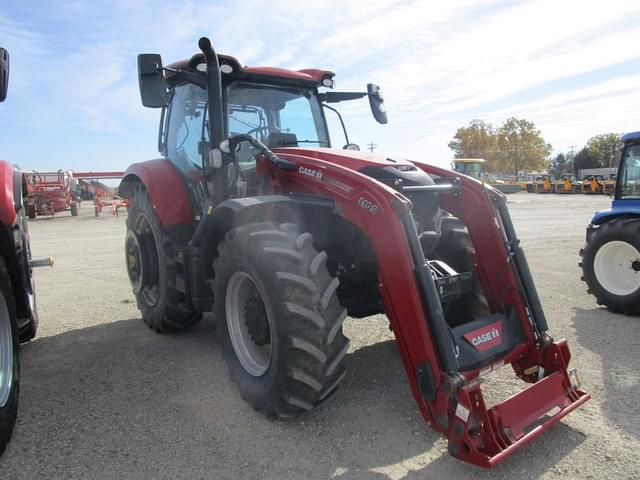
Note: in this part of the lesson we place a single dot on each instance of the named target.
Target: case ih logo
(486, 337)
(309, 172)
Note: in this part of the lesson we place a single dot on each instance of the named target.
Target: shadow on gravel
(119, 401)
(616, 339)
(538, 459)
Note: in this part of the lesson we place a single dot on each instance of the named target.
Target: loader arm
(448, 393)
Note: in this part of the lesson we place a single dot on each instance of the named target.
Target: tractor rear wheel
(9, 360)
(150, 260)
(280, 318)
(74, 209)
(611, 265)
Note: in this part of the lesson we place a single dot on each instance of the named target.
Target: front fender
(166, 188)
(619, 208)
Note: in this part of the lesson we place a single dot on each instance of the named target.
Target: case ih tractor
(252, 216)
(611, 257)
(50, 193)
(18, 318)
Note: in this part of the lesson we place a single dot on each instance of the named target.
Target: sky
(573, 68)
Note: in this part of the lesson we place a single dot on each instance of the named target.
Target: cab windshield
(630, 180)
(473, 170)
(278, 117)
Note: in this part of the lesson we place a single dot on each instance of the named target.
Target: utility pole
(371, 146)
(572, 157)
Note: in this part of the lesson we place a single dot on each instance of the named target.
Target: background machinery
(51, 192)
(473, 167)
(568, 183)
(592, 184)
(251, 215)
(611, 257)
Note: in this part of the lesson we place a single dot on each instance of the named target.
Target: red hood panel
(352, 159)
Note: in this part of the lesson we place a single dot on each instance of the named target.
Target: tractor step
(490, 436)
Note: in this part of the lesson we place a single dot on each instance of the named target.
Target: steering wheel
(263, 128)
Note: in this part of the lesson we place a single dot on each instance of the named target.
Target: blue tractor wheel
(611, 265)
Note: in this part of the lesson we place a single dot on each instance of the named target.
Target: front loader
(250, 214)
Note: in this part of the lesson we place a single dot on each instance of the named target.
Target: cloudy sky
(573, 68)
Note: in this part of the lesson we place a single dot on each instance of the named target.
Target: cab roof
(306, 77)
(631, 136)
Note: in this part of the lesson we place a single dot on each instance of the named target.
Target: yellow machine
(568, 184)
(592, 184)
(544, 184)
(472, 167)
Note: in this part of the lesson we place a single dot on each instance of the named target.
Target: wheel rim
(141, 254)
(617, 267)
(249, 324)
(135, 269)
(6, 353)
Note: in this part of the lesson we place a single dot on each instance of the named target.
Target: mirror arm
(335, 97)
(344, 129)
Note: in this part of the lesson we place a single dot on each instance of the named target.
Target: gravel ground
(105, 397)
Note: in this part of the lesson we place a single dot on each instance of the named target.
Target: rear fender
(8, 204)
(167, 190)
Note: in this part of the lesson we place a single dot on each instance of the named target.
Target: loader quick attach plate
(487, 436)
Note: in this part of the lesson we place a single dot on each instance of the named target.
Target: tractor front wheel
(280, 318)
(611, 265)
(150, 260)
(9, 360)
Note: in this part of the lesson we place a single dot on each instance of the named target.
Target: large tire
(163, 308)
(74, 209)
(277, 303)
(456, 249)
(9, 360)
(611, 265)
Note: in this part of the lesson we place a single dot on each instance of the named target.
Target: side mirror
(4, 73)
(153, 87)
(377, 103)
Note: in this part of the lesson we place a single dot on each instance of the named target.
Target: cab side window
(186, 135)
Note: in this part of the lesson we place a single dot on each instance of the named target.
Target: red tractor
(50, 193)
(18, 318)
(252, 216)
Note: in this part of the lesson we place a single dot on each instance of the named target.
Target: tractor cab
(276, 107)
(628, 186)
(471, 167)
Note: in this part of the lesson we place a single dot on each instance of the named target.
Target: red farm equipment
(252, 216)
(18, 317)
(50, 193)
(92, 189)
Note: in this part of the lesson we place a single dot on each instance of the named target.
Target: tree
(521, 146)
(559, 165)
(604, 149)
(478, 140)
(585, 159)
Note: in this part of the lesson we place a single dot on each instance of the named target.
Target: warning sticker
(462, 412)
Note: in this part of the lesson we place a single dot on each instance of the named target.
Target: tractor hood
(394, 172)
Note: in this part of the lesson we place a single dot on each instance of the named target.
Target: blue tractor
(611, 258)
